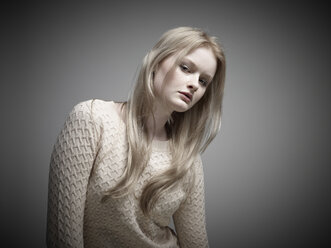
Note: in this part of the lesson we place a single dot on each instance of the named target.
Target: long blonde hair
(186, 140)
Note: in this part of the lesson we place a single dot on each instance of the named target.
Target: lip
(187, 96)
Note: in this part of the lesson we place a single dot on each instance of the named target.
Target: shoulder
(80, 112)
(93, 105)
(104, 114)
(96, 108)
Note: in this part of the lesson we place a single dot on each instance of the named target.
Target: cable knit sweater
(89, 158)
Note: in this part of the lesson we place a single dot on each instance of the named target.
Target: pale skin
(178, 90)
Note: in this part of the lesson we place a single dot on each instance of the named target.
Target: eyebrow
(209, 77)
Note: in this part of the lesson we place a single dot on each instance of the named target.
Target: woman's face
(181, 88)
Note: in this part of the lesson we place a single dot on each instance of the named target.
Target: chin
(181, 106)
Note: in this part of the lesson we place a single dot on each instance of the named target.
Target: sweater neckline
(157, 145)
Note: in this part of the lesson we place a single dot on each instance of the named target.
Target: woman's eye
(203, 82)
(184, 68)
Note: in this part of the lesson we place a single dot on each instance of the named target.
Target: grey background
(267, 172)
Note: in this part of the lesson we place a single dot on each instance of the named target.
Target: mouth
(186, 96)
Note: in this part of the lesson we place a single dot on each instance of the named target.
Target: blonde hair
(187, 141)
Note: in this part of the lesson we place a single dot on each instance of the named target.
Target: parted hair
(189, 132)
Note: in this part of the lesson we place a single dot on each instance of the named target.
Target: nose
(193, 82)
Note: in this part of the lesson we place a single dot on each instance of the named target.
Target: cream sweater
(80, 173)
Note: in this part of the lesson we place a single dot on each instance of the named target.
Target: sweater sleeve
(70, 167)
(189, 219)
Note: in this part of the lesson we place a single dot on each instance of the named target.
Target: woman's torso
(120, 222)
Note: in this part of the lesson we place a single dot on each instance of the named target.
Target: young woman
(120, 171)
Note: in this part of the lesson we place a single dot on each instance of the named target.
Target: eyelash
(185, 68)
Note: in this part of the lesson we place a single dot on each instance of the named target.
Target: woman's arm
(70, 167)
(189, 219)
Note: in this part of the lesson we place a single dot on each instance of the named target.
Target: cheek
(171, 82)
(158, 83)
(179, 77)
(200, 95)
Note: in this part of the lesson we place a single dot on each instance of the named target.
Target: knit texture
(88, 158)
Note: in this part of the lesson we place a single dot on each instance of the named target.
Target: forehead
(204, 59)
